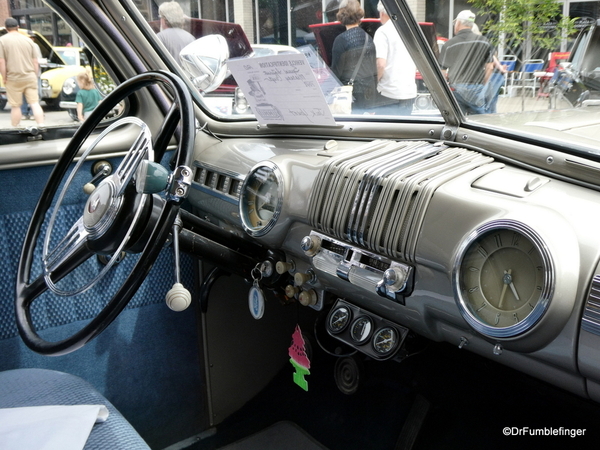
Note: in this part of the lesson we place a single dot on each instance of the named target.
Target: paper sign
(282, 89)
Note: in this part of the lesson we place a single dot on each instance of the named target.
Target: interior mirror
(204, 60)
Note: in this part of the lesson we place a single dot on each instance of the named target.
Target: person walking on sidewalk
(18, 68)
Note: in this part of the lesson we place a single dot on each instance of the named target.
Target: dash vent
(218, 181)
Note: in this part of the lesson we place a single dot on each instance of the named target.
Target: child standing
(87, 97)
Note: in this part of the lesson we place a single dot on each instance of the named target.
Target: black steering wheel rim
(27, 292)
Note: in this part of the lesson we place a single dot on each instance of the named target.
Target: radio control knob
(395, 278)
(310, 245)
(308, 298)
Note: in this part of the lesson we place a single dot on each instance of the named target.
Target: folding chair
(526, 77)
(509, 62)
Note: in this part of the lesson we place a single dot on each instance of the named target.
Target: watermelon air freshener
(299, 359)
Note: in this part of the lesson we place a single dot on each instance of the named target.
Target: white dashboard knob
(282, 267)
(301, 278)
(308, 298)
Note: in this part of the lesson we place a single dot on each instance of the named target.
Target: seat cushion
(40, 387)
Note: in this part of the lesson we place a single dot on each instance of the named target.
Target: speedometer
(261, 199)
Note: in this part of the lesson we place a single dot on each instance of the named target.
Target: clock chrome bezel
(243, 208)
(545, 295)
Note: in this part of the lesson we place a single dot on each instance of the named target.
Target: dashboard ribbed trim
(591, 314)
(377, 197)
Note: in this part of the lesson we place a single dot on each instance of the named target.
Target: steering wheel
(116, 216)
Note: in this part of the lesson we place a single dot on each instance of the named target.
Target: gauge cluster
(365, 331)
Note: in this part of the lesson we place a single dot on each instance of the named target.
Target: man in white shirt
(396, 70)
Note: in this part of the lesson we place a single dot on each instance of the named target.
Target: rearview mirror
(204, 60)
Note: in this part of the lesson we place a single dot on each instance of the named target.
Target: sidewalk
(505, 105)
(53, 117)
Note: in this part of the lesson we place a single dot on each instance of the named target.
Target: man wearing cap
(468, 58)
(18, 68)
(172, 34)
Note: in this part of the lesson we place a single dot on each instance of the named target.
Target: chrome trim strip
(590, 321)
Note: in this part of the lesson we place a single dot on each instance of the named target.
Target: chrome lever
(101, 169)
(178, 298)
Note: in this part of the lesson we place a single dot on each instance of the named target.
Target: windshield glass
(70, 55)
(530, 73)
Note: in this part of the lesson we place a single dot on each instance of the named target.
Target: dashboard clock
(503, 279)
(261, 199)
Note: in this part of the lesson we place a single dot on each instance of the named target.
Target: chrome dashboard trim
(360, 267)
(590, 321)
(280, 196)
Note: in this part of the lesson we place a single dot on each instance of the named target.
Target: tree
(525, 24)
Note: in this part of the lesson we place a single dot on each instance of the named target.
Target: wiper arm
(33, 133)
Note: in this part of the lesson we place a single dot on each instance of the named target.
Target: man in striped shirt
(468, 60)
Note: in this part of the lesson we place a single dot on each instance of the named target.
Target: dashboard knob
(282, 267)
(310, 245)
(291, 291)
(395, 278)
(308, 298)
(301, 278)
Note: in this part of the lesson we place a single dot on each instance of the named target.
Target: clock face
(504, 280)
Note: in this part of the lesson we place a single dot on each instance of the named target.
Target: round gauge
(261, 199)
(504, 279)
(385, 340)
(338, 319)
(361, 329)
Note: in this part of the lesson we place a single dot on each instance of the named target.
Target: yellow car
(52, 80)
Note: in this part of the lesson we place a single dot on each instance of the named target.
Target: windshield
(70, 55)
(517, 75)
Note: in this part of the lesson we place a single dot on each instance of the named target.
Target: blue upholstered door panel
(146, 363)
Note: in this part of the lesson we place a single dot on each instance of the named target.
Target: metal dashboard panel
(351, 199)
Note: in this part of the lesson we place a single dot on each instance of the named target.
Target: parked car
(297, 278)
(578, 79)
(52, 80)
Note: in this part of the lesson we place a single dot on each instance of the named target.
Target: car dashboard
(393, 238)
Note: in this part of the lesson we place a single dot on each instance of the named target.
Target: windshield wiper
(32, 133)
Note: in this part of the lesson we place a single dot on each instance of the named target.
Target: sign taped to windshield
(282, 89)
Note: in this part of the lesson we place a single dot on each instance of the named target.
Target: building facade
(272, 21)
